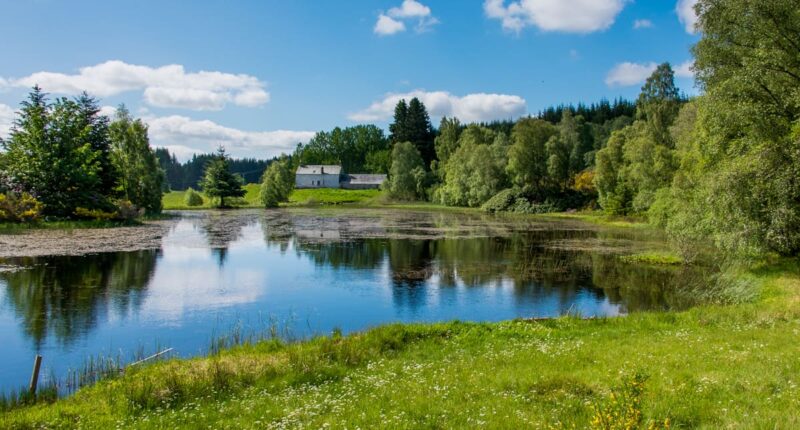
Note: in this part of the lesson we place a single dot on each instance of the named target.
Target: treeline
(181, 176)
(722, 167)
(64, 159)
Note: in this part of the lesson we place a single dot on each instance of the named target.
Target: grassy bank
(6, 228)
(710, 367)
(175, 200)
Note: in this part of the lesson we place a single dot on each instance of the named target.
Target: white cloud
(642, 23)
(627, 74)
(166, 86)
(387, 26)
(393, 21)
(469, 108)
(187, 135)
(410, 9)
(108, 111)
(687, 15)
(684, 70)
(6, 120)
(569, 16)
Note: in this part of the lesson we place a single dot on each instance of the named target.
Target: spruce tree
(218, 181)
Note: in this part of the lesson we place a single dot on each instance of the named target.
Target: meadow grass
(731, 366)
(174, 200)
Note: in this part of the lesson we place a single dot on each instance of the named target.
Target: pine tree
(218, 181)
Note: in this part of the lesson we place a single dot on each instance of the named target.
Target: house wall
(316, 181)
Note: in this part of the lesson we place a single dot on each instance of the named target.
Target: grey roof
(317, 169)
(366, 179)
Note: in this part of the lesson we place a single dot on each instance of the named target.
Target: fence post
(37, 363)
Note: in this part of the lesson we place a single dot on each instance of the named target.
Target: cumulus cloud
(627, 74)
(684, 70)
(469, 108)
(165, 86)
(569, 16)
(687, 15)
(394, 20)
(187, 136)
(6, 120)
(387, 26)
(642, 23)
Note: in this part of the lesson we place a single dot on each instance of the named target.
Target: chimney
(322, 169)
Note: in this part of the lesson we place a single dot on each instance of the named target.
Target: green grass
(174, 200)
(660, 258)
(332, 196)
(710, 367)
(66, 225)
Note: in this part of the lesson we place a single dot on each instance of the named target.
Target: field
(174, 200)
(729, 366)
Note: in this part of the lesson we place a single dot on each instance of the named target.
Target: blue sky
(259, 76)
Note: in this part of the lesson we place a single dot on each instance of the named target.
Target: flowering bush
(19, 207)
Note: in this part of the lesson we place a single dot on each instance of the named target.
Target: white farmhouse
(318, 176)
(331, 176)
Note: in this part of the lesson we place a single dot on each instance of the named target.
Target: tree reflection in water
(64, 296)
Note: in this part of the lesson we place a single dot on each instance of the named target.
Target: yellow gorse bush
(19, 208)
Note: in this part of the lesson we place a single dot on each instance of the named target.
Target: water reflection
(346, 269)
(64, 297)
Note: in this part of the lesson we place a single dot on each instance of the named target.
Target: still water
(311, 272)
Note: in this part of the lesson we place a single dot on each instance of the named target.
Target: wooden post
(37, 363)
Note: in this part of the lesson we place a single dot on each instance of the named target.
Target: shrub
(19, 208)
(193, 198)
(128, 211)
(95, 214)
(501, 201)
(514, 200)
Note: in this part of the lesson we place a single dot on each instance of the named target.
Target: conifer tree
(218, 181)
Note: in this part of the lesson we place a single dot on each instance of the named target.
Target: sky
(260, 76)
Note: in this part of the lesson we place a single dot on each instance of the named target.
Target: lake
(309, 272)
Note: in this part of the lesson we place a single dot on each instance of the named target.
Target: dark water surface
(311, 272)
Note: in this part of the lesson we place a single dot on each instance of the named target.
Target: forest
(720, 167)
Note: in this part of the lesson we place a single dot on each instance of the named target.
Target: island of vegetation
(717, 172)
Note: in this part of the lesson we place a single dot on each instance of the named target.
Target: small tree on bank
(219, 182)
(277, 183)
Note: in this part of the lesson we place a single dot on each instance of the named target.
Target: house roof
(366, 179)
(319, 169)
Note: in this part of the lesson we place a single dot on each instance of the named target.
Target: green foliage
(219, 182)
(140, 176)
(412, 124)
(50, 155)
(737, 184)
(446, 142)
(278, 183)
(378, 161)
(476, 170)
(407, 177)
(658, 104)
(19, 208)
(358, 149)
(528, 157)
(192, 198)
(513, 200)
